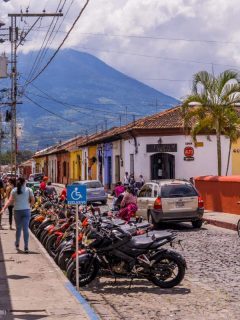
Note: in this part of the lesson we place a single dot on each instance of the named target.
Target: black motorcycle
(112, 249)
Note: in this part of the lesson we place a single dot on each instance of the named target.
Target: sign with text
(171, 147)
(77, 194)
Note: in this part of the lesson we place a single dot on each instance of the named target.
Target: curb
(90, 312)
(221, 224)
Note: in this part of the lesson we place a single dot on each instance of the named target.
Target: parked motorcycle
(115, 250)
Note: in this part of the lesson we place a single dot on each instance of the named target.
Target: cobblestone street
(210, 289)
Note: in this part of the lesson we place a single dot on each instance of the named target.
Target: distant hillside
(101, 95)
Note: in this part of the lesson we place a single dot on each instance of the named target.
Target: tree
(232, 131)
(213, 101)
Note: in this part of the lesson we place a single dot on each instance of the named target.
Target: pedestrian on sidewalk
(2, 195)
(50, 190)
(43, 184)
(126, 180)
(11, 184)
(22, 198)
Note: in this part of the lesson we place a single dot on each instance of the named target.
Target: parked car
(170, 200)
(9, 175)
(95, 191)
(36, 177)
(34, 185)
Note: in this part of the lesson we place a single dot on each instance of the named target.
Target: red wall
(220, 193)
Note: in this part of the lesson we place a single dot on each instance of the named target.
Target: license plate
(179, 204)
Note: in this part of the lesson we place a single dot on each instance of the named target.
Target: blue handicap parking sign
(76, 194)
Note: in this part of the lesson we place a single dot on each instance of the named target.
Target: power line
(61, 44)
(158, 57)
(46, 39)
(159, 38)
(90, 108)
(53, 113)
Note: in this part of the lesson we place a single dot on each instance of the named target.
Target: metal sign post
(77, 253)
(77, 194)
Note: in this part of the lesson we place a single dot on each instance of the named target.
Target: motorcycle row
(108, 246)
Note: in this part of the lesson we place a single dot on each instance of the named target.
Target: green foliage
(5, 157)
(211, 108)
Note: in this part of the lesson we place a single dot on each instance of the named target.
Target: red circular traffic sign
(188, 151)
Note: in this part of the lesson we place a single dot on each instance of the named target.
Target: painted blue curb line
(88, 309)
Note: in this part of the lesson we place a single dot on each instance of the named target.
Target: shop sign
(198, 144)
(171, 147)
(188, 158)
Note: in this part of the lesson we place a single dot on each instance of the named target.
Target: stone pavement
(32, 286)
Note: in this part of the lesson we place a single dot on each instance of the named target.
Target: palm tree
(214, 99)
(232, 131)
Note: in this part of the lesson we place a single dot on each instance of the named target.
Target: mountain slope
(102, 97)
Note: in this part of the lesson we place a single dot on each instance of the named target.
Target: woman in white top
(22, 198)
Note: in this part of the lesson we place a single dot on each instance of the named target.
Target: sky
(159, 42)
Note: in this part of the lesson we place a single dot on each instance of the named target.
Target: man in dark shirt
(50, 190)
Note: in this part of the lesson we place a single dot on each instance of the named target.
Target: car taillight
(158, 204)
(200, 202)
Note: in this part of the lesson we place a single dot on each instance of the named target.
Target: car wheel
(151, 220)
(238, 228)
(197, 224)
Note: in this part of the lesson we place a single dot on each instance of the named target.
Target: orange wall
(220, 193)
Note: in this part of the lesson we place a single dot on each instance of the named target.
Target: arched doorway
(162, 166)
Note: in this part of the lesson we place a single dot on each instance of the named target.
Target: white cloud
(174, 19)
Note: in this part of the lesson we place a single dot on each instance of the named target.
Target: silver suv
(170, 200)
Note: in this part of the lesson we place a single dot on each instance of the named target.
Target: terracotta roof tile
(169, 119)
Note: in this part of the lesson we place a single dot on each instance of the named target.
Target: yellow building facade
(75, 165)
(40, 165)
(236, 158)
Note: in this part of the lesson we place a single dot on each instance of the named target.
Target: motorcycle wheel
(85, 277)
(51, 245)
(63, 259)
(43, 235)
(34, 226)
(169, 270)
(238, 228)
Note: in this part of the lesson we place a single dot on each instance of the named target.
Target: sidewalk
(221, 219)
(33, 287)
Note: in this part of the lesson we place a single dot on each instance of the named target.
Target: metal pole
(77, 248)
(13, 38)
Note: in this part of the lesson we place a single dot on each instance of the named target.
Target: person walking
(2, 195)
(126, 180)
(10, 186)
(22, 198)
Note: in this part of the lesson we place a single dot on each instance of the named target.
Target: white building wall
(204, 163)
(118, 150)
(52, 168)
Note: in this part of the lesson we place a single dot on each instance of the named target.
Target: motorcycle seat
(140, 242)
(159, 235)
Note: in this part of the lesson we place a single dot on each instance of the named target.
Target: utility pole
(105, 121)
(1, 137)
(13, 37)
(126, 110)
(120, 118)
